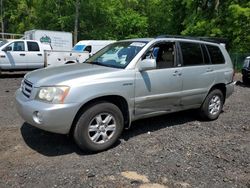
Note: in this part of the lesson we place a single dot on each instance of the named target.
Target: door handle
(22, 54)
(39, 54)
(209, 70)
(177, 73)
(2, 56)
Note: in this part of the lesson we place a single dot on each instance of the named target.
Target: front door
(15, 56)
(159, 91)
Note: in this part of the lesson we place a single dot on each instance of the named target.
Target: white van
(92, 46)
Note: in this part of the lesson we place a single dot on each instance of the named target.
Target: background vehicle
(81, 51)
(56, 58)
(22, 54)
(246, 71)
(126, 81)
(58, 40)
(91, 46)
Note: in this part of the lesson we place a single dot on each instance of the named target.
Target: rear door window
(216, 55)
(191, 54)
(33, 46)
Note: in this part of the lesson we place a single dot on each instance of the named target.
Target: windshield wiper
(93, 62)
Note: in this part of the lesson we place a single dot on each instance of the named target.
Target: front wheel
(99, 127)
(212, 106)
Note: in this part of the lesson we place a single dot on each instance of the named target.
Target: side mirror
(8, 48)
(146, 64)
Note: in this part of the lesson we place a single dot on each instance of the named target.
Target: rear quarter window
(215, 54)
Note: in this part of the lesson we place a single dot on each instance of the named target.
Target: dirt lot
(175, 150)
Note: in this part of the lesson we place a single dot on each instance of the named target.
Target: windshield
(117, 55)
(246, 63)
(78, 48)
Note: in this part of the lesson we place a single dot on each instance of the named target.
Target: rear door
(34, 55)
(198, 73)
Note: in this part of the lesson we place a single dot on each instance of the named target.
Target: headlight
(52, 94)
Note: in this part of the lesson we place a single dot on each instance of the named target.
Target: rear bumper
(229, 89)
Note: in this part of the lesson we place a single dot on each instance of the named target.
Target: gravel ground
(176, 150)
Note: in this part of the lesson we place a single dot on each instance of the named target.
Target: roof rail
(207, 39)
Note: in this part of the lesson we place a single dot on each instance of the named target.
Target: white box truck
(58, 40)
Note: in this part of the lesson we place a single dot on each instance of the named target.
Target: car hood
(61, 74)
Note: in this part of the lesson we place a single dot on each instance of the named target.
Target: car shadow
(11, 75)
(241, 84)
(160, 122)
(51, 144)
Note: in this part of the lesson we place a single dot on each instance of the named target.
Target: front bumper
(229, 89)
(56, 118)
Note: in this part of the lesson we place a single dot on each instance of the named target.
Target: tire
(212, 106)
(98, 127)
(70, 62)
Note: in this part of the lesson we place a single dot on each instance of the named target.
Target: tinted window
(33, 46)
(215, 54)
(246, 63)
(191, 54)
(205, 54)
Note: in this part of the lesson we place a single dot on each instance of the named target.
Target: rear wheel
(212, 106)
(99, 127)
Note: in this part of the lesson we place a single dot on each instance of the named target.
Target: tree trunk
(77, 5)
(217, 3)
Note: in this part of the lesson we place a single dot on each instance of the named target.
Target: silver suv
(126, 81)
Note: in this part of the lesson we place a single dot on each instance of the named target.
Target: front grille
(26, 88)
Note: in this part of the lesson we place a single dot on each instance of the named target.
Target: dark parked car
(246, 71)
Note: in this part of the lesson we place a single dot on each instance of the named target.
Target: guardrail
(10, 36)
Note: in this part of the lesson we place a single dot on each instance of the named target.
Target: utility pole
(2, 23)
(77, 5)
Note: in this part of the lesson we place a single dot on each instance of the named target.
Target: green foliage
(239, 27)
(121, 19)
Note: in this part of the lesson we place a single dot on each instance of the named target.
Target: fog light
(37, 117)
